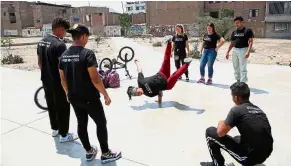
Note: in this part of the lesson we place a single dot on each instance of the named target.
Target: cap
(79, 28)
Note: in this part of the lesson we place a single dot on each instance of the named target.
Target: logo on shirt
(44, 44)
(179, 39)
(254, 110)
(206, 38)
(70, 58)
(239, 34)
(148, 88)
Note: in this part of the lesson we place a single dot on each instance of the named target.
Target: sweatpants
(166, 69)
(179, 58)
(94, 109)
(240, 64)
(58, 108)
(232, 146)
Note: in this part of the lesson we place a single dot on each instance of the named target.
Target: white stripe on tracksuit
(236, 156)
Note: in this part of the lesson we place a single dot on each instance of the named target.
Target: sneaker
(188, 60)
(91, 154)
(180, 78)
(207, 164)
(187, 79)
(55, 133)
(209, 82)
(202, 80)
(69, 138)
(110, 157)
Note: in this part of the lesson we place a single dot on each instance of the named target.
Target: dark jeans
(94, 109)
(232, 145)
(166, 69)
(208, 57)
(58, 107)
(179, 58)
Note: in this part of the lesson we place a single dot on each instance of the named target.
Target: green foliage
(125, 21)
(195, 53)
(226, 13)
(157, 44)
(10, 59)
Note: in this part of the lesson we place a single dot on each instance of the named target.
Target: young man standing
(255, 143)
(242, 41)
(82, 84)
(49, 50)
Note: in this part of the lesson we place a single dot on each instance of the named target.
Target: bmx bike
(39, 99)
(126, 54)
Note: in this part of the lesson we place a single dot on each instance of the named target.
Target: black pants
(94, 109)
(180, 60)
(58, 107)
(234, 148)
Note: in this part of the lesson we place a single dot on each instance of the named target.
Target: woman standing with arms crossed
(179, 45)
(209, 50)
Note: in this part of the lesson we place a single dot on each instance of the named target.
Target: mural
(31, 32)
(164, 30)
(112, 30)
(8, 32)
(137, 30)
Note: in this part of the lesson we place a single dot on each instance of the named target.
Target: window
(12, 18)
(64, 11)
(280, 27)
(74, 11)
(276, 7)
(28, 32)
(129, 8)
(37, 20)
(4, 13)
(214, 2)
(253, 13)
(141, 8)
(100, 14)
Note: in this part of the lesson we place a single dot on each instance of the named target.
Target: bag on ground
(113, 79)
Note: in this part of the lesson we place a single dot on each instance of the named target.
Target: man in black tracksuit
(255, 143)
(49, 50)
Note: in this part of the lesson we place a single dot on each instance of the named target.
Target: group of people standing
(69, 76)
(241, 44)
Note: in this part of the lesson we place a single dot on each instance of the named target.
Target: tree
(226, 13)
(125, 21)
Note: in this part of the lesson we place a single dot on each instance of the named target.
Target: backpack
(104, 78)
(113, 79)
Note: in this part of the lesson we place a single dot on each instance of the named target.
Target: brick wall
(242, 8)
(139, 18)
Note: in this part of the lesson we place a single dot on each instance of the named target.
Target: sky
(116, 5)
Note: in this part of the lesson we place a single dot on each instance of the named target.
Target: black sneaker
(110, 157)
(90, 155)
(180, 78)
(187, 79)
(207, 164)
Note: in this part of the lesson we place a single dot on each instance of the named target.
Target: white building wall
(134, 7)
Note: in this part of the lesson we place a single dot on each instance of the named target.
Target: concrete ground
(146, 133)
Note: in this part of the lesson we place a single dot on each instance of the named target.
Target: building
(18, 15)
(15, 15)
(162, 16)
(134, 7)
(278, 19)
(253, 12)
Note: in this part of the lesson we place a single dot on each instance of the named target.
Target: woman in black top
(179, 46)
(209, 52)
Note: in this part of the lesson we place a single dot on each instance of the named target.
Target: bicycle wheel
(126, 50)
(39, 99)
(106, 64)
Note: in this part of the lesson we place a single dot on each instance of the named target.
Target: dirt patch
(104, 49)
(267, 51)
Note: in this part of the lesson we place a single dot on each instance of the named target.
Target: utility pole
(122, 7)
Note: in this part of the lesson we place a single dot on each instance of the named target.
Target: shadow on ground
(167, 104)
(229, 164)
(253, 90)
(75, 150)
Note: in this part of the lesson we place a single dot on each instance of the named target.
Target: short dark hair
(77, 35)
(241, 90)
(239, 18)
(60, 22)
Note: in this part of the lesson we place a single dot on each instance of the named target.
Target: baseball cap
(79, 28)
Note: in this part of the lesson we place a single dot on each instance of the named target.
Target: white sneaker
(55, 133)
(69, 138)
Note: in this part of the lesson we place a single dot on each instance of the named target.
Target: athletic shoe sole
(111, 160)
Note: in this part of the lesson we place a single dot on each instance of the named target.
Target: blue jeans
(208, 57)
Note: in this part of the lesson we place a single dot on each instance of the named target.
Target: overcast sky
(116, 5)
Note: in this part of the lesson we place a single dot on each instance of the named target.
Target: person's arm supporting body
(251, 40)
(160, 97)
(95, 78)
(138, 68)
(225, 126)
